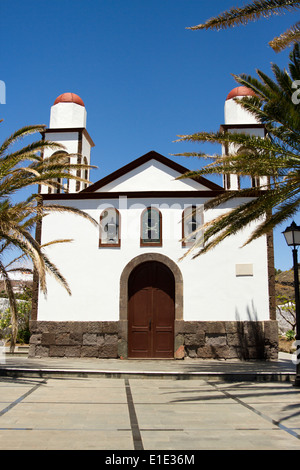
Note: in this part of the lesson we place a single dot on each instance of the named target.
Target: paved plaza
(147, 414)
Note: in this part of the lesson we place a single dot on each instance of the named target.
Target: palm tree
(253, 11)
(276, 157)
(21, 169)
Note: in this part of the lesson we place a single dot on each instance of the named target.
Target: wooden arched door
(151, 311)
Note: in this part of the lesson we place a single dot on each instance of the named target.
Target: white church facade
(134, 294)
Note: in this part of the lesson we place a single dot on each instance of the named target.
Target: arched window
(78, 174)
(82, 173)
(192, 222)
(151, 227)
(85, 173)
(110, 228)
(60, 185)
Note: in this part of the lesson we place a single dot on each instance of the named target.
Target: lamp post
(292, 237)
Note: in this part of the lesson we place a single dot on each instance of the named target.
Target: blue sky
(144, 78)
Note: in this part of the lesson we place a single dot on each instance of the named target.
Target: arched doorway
(151, 311)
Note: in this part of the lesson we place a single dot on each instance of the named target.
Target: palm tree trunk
(14, 326)
(13, 308)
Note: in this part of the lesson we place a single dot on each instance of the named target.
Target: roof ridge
(152, 154)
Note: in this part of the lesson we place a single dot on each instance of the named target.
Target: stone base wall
(227, 340)
(74, 339)
(205, 340)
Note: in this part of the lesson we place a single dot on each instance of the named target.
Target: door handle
(150, 324)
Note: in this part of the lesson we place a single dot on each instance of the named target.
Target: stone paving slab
(142, 415)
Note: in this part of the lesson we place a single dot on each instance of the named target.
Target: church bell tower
(239, 120)
(68, 127)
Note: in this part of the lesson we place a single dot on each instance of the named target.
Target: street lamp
(292, 237)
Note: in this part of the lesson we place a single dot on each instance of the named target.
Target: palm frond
(21, 169)
(290, 36)
(250, 12)
(20, 134)
(275, 158)
(253, 11)
(52, 269)
(285, 211)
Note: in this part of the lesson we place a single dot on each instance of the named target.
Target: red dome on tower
(240, 91)
(69, 98)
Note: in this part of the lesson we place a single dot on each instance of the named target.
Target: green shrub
(290, 334)
(23, 311)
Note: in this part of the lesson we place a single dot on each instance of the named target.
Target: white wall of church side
(211, 289)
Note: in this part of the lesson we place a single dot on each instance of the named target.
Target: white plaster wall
(86, 152)
(254, 131)
(211, 289)
(65, 115)
(69, 140)
(86, 149)
(235, 114)
(152, 176)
